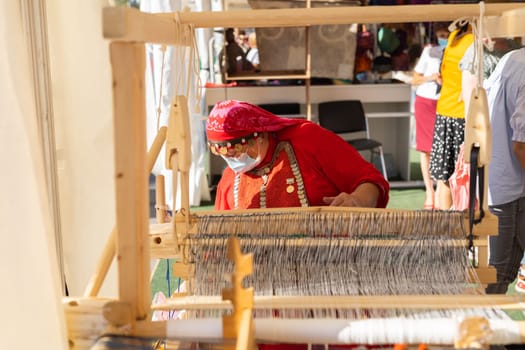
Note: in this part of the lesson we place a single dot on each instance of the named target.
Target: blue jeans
(506, 249)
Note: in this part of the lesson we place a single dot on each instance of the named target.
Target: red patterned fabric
(232, 119)
(277, 196)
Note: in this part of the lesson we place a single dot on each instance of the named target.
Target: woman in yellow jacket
(450, 117)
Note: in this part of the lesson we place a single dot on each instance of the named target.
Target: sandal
(520, 282)
(428, 206)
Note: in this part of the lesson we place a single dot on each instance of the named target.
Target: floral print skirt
(449, 134)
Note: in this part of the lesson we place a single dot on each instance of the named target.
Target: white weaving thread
(439, 331)
(161, 83)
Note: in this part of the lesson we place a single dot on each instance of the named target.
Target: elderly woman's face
(243, 154)
(254, 147)
(259, 147)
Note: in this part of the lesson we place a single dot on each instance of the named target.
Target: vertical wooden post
(131, 179)
(160, 202)
(239, 325)
(308, 66)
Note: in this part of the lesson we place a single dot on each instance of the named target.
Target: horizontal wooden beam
(93, 306)
(509, 24)
(507, 302)
(269, 75)
(484, 275)
(300, 17)
(129, 24)
(86, 323)
(163, 244)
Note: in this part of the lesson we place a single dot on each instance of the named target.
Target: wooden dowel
(308, 80)
(507, 302)
(245, 338)
(174, 231)
(155, 148)
(108, 253)
(178, 154)
(104, 263)
(161, 211)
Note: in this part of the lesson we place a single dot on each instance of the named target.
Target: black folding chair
(348, 116)
(286, 108)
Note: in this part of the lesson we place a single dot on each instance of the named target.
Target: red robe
(327, 165)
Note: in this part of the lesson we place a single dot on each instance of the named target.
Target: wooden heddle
(320, 275)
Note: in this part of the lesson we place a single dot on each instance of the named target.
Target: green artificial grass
(411, 199)
(160, 281)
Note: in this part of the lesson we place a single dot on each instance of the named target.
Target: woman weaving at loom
(281, 162)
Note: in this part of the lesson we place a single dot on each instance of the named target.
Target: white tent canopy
(31, 307)
(75, 57)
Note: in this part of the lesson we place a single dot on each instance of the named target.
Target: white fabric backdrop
(82, 101)
(82, 105)
(32, 315)
(156, 73)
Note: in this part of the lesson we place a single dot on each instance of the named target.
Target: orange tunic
(273, 186)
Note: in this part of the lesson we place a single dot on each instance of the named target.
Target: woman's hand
(365, 195)
(341, 200)
(437, 78)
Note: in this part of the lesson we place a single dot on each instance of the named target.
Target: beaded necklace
(264, 172)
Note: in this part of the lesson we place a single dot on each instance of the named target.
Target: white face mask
(243, 163)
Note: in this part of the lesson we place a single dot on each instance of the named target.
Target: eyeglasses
(234, 147)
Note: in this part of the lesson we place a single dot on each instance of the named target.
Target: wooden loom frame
(129, 29)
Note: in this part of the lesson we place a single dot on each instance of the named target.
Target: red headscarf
(233, 119)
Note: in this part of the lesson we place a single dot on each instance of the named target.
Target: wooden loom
(129, 29)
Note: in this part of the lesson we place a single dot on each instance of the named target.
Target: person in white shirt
(252, 54)
(428, 81)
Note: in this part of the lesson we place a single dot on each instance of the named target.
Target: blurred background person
(252, 55)
(493, 50)
(506, 100)
(449, 129)
(500, 46)
(427, 78)
(232, 57)
(243, 40)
